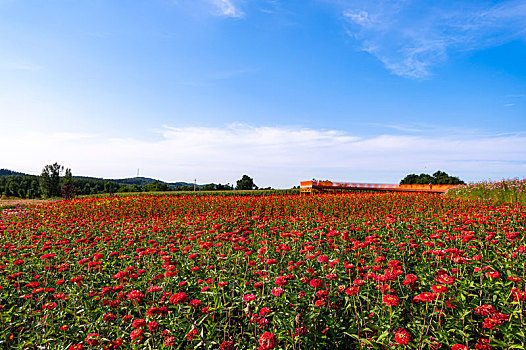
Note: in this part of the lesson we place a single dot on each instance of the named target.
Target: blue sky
(347, 90)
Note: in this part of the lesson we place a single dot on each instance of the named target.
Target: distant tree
(209, 187)
(409, 179)
(246, 183)
(438, 178)
(34, 189)
(220, 187)
(87, 188)
(68, 178)
(156, 186)
(426, 179)
(12, 188)
(68, 190)
(50, 180)
(135, 188)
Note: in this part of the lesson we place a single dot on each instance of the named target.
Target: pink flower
(249, 297)
(277, 291)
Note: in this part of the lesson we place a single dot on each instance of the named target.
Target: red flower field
(348, 271)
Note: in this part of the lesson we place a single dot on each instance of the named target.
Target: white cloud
(228, 9)
(274, 156)
(360, 17)
(412, 37)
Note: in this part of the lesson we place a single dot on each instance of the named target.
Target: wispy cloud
(410, 37)
(228, 9)
(273, 155)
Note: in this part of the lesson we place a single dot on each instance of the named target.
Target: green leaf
(383, 335)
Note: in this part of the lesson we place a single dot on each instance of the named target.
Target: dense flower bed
(343, 271)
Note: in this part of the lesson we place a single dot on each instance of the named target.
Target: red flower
(109, 317)
(136, 333)
(425, 296)
(316, 283)
(267, 341)
(227, 345)
(394, 264)
(281, 281)
(402, 337)
(482, 344)
(49, 306)
(138, 323)
(92, 339)
(117, 343)
(152, 326)
(195, 303)
(492, 274)
(485, 310)
(323, 259)
(178, 298)
(264, 311)
(391, 300)
(135, 295)
(445, 279)
(190, 335)
(437, 288)
(459, 347)
(352, 290)
(170, 341)
(249, 297)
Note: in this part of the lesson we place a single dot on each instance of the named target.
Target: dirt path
(22, 202)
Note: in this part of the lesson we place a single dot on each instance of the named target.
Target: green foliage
(7, 172)
(66, 180)
(438, 178)
(156, 186)
(15, 184)
(50, 180)
(246, 183)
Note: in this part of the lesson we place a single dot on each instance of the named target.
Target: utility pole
(195, 182)
(137, 172)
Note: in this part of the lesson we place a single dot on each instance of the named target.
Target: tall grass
(502, 191)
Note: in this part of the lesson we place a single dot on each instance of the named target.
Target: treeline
(55, 181)
(21, 186)
(28, 186)
(438, 178)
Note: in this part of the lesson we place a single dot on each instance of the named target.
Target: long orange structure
(329, 186)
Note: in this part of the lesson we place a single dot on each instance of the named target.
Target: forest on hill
(51, 183)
